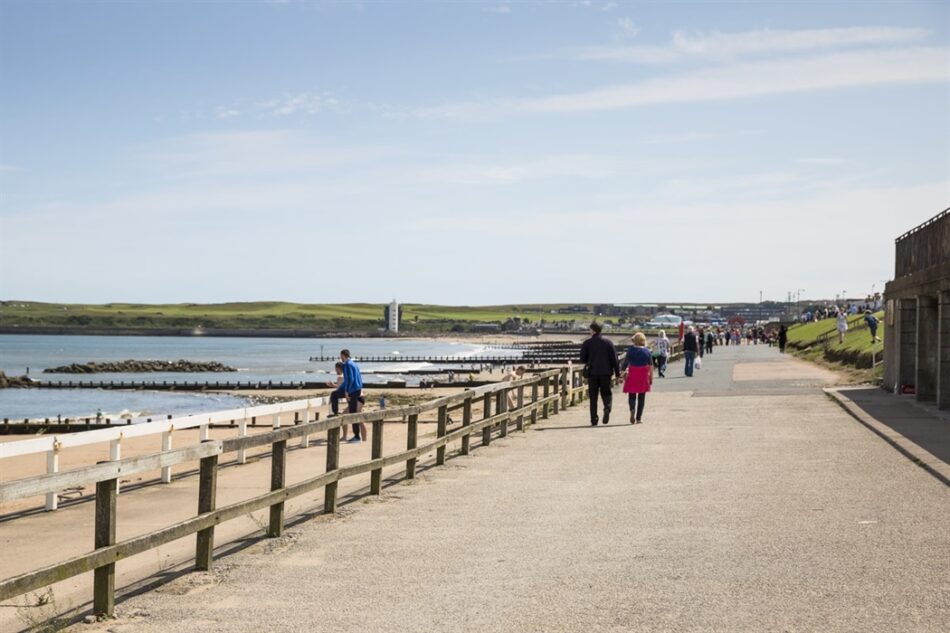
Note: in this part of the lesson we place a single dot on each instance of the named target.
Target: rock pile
(140, 367)
(14, 381)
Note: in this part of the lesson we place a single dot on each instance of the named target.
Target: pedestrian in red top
(639, 365)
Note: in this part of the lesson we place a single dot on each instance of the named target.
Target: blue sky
(466, 153)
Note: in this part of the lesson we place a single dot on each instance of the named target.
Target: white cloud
(627, 28)
(724, 46)
(8, 168)
(752, 79)
(500, 9)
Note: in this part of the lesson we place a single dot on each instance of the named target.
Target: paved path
(746, 501)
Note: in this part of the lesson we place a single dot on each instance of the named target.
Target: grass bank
(818, 342)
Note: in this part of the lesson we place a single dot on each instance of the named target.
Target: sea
(257, 359)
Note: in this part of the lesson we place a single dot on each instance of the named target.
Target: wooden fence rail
(549, 391)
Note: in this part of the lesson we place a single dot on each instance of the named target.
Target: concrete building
(393, 314)
(917, 317)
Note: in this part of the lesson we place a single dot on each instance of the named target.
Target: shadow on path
(928, 429)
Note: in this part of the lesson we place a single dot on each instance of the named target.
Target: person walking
(353, 388)
(690, 349)
(782, 339)
(639, 379)
(700, 338)
(599, 358)
(871, 320)
(842, 325)
(661, 346)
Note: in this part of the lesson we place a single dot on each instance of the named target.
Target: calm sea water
(256, 359)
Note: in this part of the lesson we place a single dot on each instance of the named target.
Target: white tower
(393, 325)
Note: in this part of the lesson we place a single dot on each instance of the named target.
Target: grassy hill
(350, 317)
(819, 341)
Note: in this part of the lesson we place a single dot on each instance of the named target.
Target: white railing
(53, 444)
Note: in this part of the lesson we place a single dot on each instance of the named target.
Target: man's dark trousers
(599, 385)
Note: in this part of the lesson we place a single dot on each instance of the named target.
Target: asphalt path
(746, 501)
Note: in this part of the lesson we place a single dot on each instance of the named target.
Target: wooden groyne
(196, 386)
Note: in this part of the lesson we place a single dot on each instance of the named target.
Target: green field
(349, 317)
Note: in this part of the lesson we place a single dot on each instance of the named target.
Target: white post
(204, 432)
(305, 440)
(167, 446)
(242, 432)
(276, 421)
(52, 466)
(115, 454)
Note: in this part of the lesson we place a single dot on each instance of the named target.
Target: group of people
(602, 367)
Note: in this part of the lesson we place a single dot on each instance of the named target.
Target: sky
(466, 153)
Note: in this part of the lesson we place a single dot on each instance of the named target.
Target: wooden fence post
(376, 475)
(440, 433)
(412, 437)
(534, 403)
(466, 421)
(501, 406)
(486, 413)
(333, 462)
(519, 424)
(103, 592)
(278, 475)
(565, 388)
(546, 392)
(207, 501)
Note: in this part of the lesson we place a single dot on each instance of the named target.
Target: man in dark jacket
(600, 358)
(690, 349)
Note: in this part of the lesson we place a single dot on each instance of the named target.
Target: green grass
(857, 350)
(266, 315)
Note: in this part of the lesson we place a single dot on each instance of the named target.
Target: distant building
(917, 314)
(392, 314)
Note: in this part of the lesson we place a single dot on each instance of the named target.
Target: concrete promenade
(748, 500)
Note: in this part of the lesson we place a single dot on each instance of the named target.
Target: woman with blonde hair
(639, 365)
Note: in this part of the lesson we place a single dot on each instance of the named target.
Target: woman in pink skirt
(639, 366)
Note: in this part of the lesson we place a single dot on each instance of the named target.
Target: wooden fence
(538, 396)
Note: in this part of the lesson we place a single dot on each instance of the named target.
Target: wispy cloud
(684, 46)
(8, 168)
(750, 79)
(824, 161)
(685, 137)
(500, 9)
(285, 105)
(516, 171)
(299, 103)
